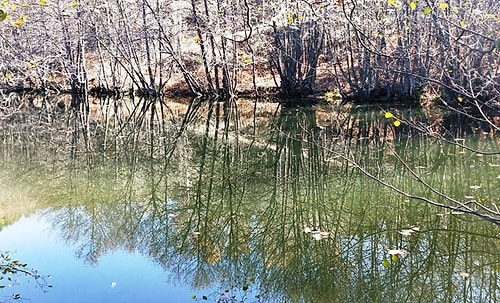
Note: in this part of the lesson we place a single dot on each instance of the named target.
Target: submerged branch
(460, 206)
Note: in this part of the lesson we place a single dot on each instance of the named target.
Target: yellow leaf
(19, 22)
(25, 4)
(460, 99)
(397, 123)
(388, 115)
(386, 264)
(74, 4)
(391, 2)
(42, 2)
(462, 24)
(330, 96)
(196, 39)
(413, 6)
(427, 10)
(443, 6)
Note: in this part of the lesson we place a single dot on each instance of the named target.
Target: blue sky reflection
(117, 277)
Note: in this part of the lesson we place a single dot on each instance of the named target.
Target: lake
(247, 202)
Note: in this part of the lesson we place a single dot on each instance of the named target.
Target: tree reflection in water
(267, 211)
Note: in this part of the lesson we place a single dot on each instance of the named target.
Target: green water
(266, 206)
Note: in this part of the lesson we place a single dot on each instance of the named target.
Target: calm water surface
(243, 204)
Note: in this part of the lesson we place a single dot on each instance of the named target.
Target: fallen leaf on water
(319, 235)
(406, 232)
(324, 234)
